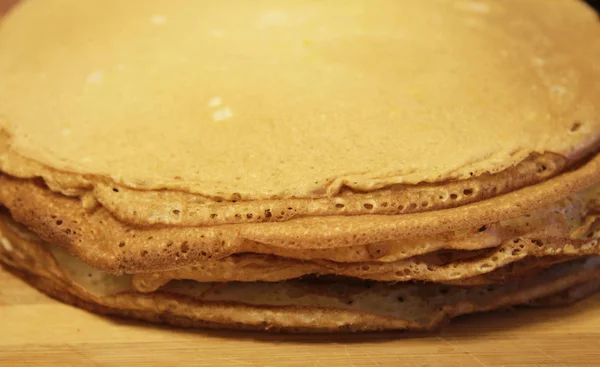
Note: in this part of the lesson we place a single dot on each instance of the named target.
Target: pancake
(291, 306)
(119, 247)
(358, 102)
(567, 297)
(459, 267)
(284, 165)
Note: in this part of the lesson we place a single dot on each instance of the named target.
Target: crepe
(119, 247)
(284, 165)
(293, 306)
(459, 267)
(371, 97)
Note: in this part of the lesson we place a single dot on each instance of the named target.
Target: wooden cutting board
(38, 331)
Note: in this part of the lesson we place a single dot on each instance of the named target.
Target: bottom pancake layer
(294, 306)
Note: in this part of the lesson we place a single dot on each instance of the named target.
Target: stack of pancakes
(301, 165)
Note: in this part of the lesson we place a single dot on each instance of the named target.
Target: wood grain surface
(38, 331)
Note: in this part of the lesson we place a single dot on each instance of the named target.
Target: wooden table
(38, 331)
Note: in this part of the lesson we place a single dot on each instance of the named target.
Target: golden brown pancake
(301, 165)
(292, 306)
(292, 99)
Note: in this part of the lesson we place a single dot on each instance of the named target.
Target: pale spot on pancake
(94, 77)
(86, 159)
(158, 19)
(6, 244)
(539, 61)
(274, 18)
(65, 132)
(478, 7)
(217, 33)
(215, 102)
(222, 114)
(558, 89)
(120, 67)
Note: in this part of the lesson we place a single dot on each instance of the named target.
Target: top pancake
(279, 99)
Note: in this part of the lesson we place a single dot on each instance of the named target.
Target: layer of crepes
(118, 247)
(288, 306)
(477, 266)
(177, 208)
(432, 268)
(184, 209)
(554, 206)
(311, 101)
(515, 271)
(568, 296)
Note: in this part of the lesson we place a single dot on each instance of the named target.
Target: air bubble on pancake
(6, 244)
(486, 266)
(215, 102)
(575, 127)
(222, 114)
